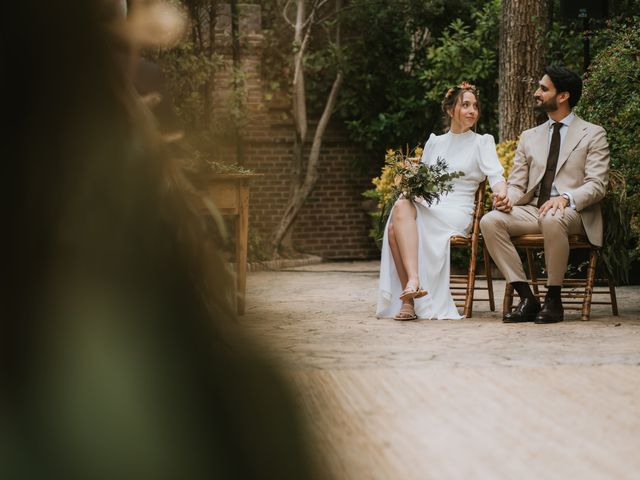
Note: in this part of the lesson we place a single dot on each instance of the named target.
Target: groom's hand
(554, 204)
(501, 202)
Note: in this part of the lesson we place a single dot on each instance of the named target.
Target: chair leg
(508, 298)
(471, 284)
(489, 277)
(532, 272)
(588, 288)
(612, 294)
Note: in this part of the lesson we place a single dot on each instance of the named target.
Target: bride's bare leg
(395, 253)
(407, 311)
(406, 238)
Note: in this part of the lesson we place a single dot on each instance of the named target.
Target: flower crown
(463, 86)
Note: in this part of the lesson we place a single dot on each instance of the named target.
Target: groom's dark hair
(565, 80)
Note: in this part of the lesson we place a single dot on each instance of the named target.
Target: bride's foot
(412, 291)
(406, 312)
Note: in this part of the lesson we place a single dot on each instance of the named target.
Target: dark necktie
(552, 162)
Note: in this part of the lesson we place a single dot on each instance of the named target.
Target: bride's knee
(403, 209)
(391, 231)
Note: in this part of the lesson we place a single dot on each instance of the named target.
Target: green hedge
(611, 98)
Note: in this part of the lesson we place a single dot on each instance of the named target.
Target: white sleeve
(427, 154)
(488, 160)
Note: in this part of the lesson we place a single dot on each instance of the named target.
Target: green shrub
(611, 98)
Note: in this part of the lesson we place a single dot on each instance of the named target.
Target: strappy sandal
(406, 313)
(410, 293)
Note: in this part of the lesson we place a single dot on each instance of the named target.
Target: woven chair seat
(460, 241)
(537, 240)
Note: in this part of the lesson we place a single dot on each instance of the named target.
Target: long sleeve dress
(475, 156)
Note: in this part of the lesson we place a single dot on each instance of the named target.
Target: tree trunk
(523, 24)
(300, 40)
(297, 177)
(300, 193)
(305, 179)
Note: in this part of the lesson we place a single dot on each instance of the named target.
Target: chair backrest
(478, 210)
(466, 283)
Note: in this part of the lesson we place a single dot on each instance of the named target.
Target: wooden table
(230, 194)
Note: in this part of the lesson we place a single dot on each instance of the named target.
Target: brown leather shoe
(551, 312)
(526, 311)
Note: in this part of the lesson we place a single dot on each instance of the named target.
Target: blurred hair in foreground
(117, 356)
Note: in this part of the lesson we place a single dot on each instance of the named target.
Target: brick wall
(333, 223)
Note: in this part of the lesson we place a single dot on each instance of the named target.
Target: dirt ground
(463, 399)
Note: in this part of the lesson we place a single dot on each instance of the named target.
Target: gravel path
(465, 399)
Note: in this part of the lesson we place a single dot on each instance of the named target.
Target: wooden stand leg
(242, 237)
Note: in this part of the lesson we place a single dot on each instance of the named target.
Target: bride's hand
(501, 202)
(499, 189)
(500, 198)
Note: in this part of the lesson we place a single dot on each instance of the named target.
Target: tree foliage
(466, 51)
(565, 36)
(189, 70)
(392, 48)
(384, 55)
(610, 99)
(382, 102)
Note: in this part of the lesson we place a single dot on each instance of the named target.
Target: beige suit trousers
(498, 228)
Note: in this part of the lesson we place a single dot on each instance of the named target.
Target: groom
(559, 175)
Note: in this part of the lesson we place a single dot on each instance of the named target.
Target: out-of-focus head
(115, 357)
(155, 23)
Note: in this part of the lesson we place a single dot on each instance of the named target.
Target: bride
(414, 269)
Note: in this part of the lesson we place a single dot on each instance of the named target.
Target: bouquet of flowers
(415, 180)
(405, 175)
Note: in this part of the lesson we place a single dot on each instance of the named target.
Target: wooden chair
(577, 294)
(463, 287)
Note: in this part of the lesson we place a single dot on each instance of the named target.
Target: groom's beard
(550, 105)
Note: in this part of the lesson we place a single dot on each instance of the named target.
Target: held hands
(553, 204)
(500, 199)
(501, 202)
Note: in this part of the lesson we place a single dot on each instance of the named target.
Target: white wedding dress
(475, 156)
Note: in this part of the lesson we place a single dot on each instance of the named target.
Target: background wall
(333, 223)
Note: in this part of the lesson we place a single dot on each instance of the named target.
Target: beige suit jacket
(582, 171)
